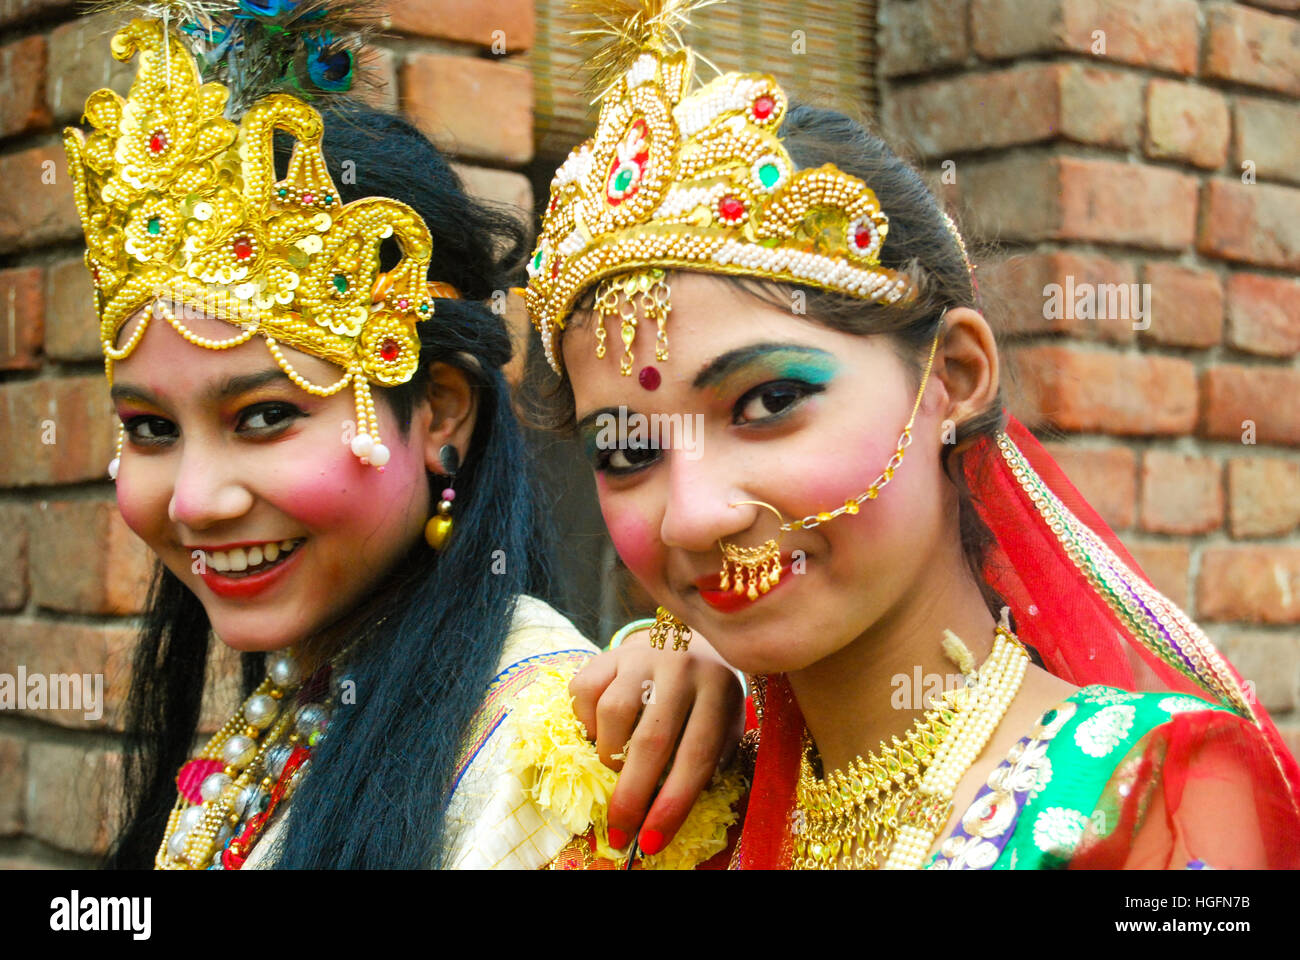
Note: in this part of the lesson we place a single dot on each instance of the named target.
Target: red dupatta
(1085, 605)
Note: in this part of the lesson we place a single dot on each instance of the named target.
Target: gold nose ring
(751, 570)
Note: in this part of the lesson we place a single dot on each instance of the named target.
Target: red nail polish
(651, 842)
(617, 838)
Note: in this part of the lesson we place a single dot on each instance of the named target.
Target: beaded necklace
(891, 805)
(227, 793)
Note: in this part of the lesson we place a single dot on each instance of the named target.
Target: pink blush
(635, 541)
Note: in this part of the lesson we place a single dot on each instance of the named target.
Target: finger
(705, 739)
(652, 745)
(588, 685)
(616, 714)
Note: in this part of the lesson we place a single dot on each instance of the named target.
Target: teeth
(239, 559)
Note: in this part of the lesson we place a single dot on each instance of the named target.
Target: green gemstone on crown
(341, 283)
(154, 226)
(769, 174)
(622, 180)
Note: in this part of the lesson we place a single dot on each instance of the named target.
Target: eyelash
(258, 408)
(801, 387)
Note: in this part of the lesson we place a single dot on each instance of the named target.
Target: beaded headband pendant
(181, 207)
(680, 180)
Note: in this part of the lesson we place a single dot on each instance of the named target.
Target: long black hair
(432, 631)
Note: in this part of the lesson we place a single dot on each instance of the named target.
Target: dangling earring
(438, 529)
(665, 622)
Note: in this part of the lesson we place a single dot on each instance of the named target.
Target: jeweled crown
(179, 203)
(674, 179)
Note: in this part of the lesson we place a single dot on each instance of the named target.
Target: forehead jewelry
(751, 570)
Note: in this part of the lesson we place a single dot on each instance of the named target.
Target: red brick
(503, 187)
(475, 109)
(85, 559)
(1267, 135)
(1251, 223)
(55, 431)
(1269, 662)
(15, 11)
(1250, 584)
(12, 785)
(1253, 47)
(1186, 307)
(1126, 203)
(918, 37)
(22, 86)
(71, 326)
(1043, 197)
(1096, 391)
(1263, 496)
(13, 556)
(1187, 123)
(1063, 292)
(1021, 105)
(53, 647)
(22, 318)
(1166, 564)
(1106, 476)
(73, 796)
(1155, 33)
(1181, 494)
(36, 199)
(1264, 314)
(1237, 399)
(469, 21)
(80, 63)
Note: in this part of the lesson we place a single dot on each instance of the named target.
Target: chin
(255, 633)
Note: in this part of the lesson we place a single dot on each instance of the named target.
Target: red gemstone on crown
(863, 238)
(242, 248)
(158, 142)
(763, 107)
(389, 349)
(731, 209)
(649, 378)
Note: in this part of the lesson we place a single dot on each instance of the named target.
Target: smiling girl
(863, 511)
(382, 546)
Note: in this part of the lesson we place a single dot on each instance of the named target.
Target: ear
(966, 364)
(453, 405)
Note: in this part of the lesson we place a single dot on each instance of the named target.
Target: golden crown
(674, 179)
(181, 205)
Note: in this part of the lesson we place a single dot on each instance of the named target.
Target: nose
(207, 489)
(698, 509)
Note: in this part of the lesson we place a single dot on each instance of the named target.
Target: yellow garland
(562, 773)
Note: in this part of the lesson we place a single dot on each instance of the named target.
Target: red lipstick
(244, 587)
(729, 601)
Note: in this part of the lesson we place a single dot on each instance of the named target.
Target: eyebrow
(230, 387)
(724, 364)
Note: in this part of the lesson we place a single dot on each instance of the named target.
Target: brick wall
(71, 573)
(1157, 143)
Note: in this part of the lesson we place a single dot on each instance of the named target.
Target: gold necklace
(890, 805)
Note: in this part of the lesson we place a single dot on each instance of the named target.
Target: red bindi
(649, 378)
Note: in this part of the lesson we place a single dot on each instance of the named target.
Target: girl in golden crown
(960, 666)
(378, 554)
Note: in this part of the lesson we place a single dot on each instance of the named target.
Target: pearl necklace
(849, 818)
(245, 759)
(996, 685)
